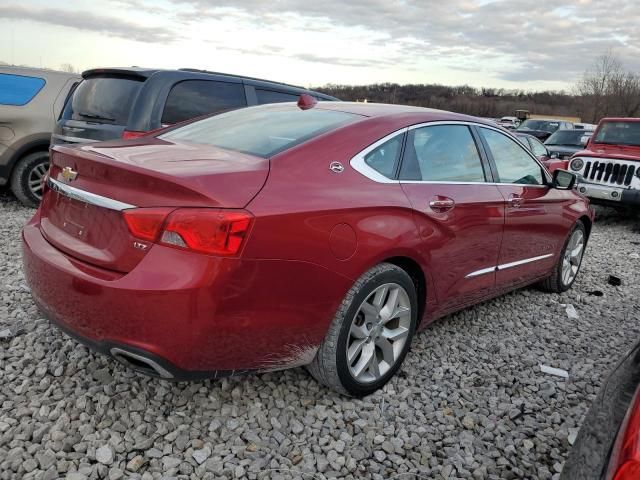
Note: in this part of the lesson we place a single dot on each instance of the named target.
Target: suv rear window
(19, 89)
(262, 131)
(193, 98)
(271, 96)
(103, 100)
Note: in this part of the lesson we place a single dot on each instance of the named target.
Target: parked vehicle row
(30, 103)
(105, 104)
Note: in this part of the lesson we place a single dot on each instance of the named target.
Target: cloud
(83, 20)
(514, 40)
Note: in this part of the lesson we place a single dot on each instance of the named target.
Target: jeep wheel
(27, 177)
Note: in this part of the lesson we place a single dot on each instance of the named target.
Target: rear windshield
(103, 100)
(619, 133)
(261, 131)
(19, 89)
(569, 138)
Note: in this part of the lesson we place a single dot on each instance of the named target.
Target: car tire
(29, 170)
(558, 282)
(333, 365)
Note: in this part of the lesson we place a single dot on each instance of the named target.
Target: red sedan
(283, 235)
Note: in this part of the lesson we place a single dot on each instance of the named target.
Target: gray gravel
(470, 401)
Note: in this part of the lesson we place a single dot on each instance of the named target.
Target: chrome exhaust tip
(140, 363)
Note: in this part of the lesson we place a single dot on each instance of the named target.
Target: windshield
(543, 125)
(569, 138)
(103, 100)
(262, 131)
(619, 133)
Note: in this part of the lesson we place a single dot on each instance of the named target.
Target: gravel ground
(470, 401)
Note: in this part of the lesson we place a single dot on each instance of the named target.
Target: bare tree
(67, 67)
(608, 89)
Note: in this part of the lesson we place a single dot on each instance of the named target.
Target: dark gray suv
(113, 103)
(30, 102)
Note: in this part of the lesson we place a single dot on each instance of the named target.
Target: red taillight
(146, 223)
(130, 134)
(205, 230)
(625, 459)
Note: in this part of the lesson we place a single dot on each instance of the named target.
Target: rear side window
(262, 131)
(442, 153)
(383, 159)
(18, 89)
(103, 100)
(270, 96)
(193, 98)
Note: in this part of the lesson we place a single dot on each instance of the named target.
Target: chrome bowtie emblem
(69, 174)
(336, 167)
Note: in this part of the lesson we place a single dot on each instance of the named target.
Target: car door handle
(440, 204)
(515, 200)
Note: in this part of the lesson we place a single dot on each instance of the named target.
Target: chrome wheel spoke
(380, 296)
(370, 312)
(359, 331)
(366, 357)
(378, 332)
(395, 334)
(386, 312)
(388, 353)
(354, 350)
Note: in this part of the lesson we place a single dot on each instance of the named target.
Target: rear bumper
(193, 315)
(610, 195)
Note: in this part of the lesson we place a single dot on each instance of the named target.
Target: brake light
(205, 230)
(146, 223)
(130, 134)
(625, 459)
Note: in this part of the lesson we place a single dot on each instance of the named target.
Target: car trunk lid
(82, 214)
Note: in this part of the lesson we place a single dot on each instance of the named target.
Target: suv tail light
(205, 230)
(129, 134)
(625, 458)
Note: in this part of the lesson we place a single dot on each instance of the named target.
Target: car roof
(550, 120)
(619, 119)
(386, 109)
(147, 72)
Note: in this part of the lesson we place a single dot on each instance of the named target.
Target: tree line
(606, 89)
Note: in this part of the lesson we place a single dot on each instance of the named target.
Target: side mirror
(563, 180)
(554, 155)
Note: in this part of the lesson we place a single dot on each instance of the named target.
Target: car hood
(621, 152)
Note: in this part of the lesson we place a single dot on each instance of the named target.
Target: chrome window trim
(87, 197)
(358, 164)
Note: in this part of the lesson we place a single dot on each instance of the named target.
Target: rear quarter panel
(344, 222)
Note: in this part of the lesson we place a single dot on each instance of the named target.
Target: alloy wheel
(572, 257)
(36, 176)
(378, 333)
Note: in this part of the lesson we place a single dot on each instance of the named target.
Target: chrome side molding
(87, 197)
(504, 266)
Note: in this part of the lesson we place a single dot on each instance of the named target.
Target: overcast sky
(541, 44)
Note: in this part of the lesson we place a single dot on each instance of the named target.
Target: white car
(509, 122)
